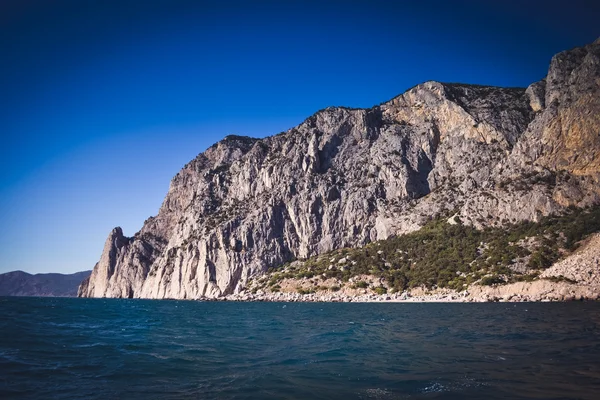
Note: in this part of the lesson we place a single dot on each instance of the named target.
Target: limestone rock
(582, 267)
(346, 177)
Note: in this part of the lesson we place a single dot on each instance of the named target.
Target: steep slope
(19, 283)
(450, 261)
(346, 177)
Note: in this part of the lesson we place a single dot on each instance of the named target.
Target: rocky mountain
(19, 283)
(346, 177)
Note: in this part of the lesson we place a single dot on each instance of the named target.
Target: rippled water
(97, 348)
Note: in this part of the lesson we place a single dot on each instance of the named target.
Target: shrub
(542, 258)
(491, 280)
(361, 285)
(380, 290)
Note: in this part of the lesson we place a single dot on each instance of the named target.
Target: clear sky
(102, 102)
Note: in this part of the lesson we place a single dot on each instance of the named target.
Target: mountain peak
(347, 177)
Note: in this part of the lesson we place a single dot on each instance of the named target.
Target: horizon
(105, 103)
(45, 273)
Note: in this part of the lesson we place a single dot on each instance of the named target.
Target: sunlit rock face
(346, 177)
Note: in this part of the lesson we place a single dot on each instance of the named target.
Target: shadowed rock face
(345, 177)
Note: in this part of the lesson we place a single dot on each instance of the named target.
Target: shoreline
(575, 278)
(532, 292)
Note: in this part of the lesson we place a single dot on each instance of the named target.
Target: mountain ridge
(20, 283)
(347, 177)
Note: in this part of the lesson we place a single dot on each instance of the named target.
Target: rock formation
(345, 177)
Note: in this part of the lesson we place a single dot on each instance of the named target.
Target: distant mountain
(19, 283)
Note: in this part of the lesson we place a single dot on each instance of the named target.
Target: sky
(103, 102)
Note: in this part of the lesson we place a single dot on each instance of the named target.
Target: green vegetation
(380, 290)
(491, 280)
(361, 285)
(560, 278)
(526, 277)
(453, 256)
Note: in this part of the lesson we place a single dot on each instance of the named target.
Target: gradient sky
(102, 102)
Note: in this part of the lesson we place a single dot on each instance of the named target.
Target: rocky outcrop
(582, 267)
(346, 177)
(123, 266)
(569, 127)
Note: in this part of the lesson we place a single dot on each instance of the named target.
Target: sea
(69, 348)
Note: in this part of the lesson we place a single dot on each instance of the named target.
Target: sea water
(53, 348)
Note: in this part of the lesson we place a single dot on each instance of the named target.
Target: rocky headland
(443, 159)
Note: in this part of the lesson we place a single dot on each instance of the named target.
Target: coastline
(575, 278)
(537, 291)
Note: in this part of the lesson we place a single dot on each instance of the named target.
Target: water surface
(109, 348)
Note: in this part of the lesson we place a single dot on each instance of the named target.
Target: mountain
(19, 283)
(343, 178)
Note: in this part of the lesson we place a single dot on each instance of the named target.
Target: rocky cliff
(346, 177)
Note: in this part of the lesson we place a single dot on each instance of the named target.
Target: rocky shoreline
(575, 278)
(541, 291)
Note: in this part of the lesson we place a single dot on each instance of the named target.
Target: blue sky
(102, 102)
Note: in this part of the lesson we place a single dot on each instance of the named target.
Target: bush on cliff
(453, 256)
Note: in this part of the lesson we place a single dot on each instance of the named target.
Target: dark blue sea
(52, 348)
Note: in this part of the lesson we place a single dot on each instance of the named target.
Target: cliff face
(345, 177)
